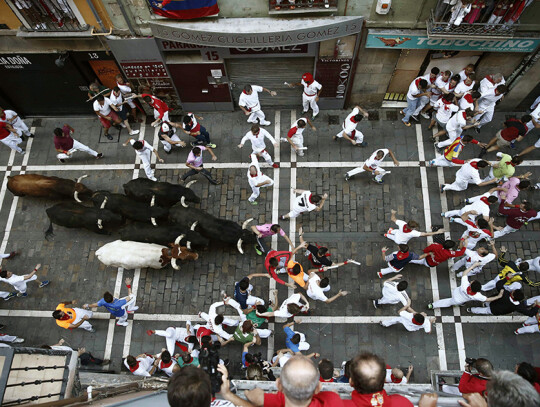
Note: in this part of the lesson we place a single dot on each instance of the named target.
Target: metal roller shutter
(269, 73)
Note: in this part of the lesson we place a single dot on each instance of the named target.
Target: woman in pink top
(268, 229)
(513, 186)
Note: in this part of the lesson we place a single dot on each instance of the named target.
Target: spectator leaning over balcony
(472, 382)
(459, 11)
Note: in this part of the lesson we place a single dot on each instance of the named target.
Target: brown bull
(41, 186)
(176, 252)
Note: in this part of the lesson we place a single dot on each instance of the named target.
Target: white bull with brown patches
(132, 255)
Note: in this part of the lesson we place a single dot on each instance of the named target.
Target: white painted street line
(432, 270)
(292, 195)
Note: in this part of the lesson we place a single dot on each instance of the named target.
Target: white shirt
(481, 208)
(259, 177)
(117, 100)
(463, 75)
(212, 314)
(486, 85)
(124, 89)
(16, 281)
(462, 87)
(303, 344)
(193, 122)
(536, 113)
(105, 109)
(312, 88)
(413, 90)
(314, 291)
(444, 110)
(473, 257)
(407, 318)
(440, 83)
(460, 293)
(349, 125)
(283, 312)
(457, 121)
(465, 104)
(402, 237)
(10, 114)
(303, 202)
(390, 291)
(251, 102)
(257, 141)
(145, 365)
(299, 130)
(372, 162)
(169, 369)
(145, 148)
(488, 99)
(388, 378)
(468, 173)
(473, 228)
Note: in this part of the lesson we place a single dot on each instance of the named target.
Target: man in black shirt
(318, 255)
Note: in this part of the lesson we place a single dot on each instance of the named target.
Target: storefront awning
(256, 32)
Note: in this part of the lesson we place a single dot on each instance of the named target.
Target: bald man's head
(367, 373)
(299, 379)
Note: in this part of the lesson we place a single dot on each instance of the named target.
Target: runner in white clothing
(465, 86)
(406, 230)
(166, 363)
(144, 151)
(257, 179)
(20, 282)
(312, 90)
(125, 88)
(372, 165)
(349, 132)
(117, 99)
(480, 257)
(534, 264)
(215, 321)
(317, 288)
(173, 335)
(10, 137)
(168, 137)
(468, 174)
(11, 117)
(486, 105)
(445, 108)
(295, 135)
(293, 305)
(256, 135)
(305, 202)
(479, 204)
(143, 365)
(454, 127)
(467, 291)
(393, 292)
(250, 105)
(411, 320)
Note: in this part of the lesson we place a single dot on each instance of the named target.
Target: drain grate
(333, 119)
(373, 115)
(391, 115)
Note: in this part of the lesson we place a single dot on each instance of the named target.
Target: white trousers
(13, 141)
(165, 117)
(440, 161)
(77, 146)
(80, 314)
(171, 338)
(389, 270)
(298, 141)
(481, 310)
(358, 135)
(145, 158)
(490, 285)
(252, 300)
(485, 117)
(167, 146)
(423, 262)
(264, 333)
(128, 307)
(7, 338)
(394, 321)
(463, 262)
(358, 170)
(259, 114)
(504, 231)
(452, 136)
(446, 302)
(297, 210)
(265, 155)
(531, 328)
(534, 264)
(21, 286)
(459, 184)
(257, 190)
(21, 126)
(309, 101)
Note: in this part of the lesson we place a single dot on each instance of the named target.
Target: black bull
(221, 230)
(166, 194)
(163, 235)
(129, 208)
(74, 215)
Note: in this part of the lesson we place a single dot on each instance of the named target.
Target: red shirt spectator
(440, 254)
(516, 217)
(322, 399)
(513, 129)
(379, 399)
(470, 383)
(157, 104)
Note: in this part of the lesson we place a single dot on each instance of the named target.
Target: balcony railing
(301, 6)
(48, 15)
(478, 19)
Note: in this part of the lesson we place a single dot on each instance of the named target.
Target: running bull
(166, 194)
(129, 208)
(40, 186)
(132, 255)
(221, 230)
(74, 215)
(162, 235)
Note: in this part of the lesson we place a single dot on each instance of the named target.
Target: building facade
(362, 51)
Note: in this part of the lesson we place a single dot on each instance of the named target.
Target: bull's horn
(153, 220)
(239, 246)
(246, 223)
(188, 245)
(76, 197)
(99, 224)
(177, 241)
(153, 201)
(183, 202)
(81, 178)
(174, 264)
(194, 225)
(104, 203)
(190, 183)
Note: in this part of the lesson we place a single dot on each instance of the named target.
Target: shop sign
(14, 61)
(411, 40)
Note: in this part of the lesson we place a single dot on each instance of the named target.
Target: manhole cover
(333, 119)
(391, 115)
(373, 115)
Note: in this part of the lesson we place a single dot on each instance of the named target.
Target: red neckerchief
(470, 291)
(401, 255)
(244, 92)
(164, 366)
(485, 200)
(510, 163)
(468, 97)
(474, 164)
(487, 232)
(488, 77)
(134, 368)
(464, 115)
(451, 87)
(326, 380)
(65, 317)
(406, 229)
(432, 80)
(252, 176)
(353, 120)
(395, 379)
(310, 201)
(256, 134)
(417, 323)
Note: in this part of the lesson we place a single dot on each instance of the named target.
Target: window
(48, 15)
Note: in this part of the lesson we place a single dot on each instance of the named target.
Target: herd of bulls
(161, 227)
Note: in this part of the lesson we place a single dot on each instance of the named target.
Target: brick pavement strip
(351, 224)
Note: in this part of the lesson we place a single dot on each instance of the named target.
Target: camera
(470, 361)
(209, 361)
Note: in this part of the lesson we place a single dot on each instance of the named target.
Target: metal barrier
(302, 5)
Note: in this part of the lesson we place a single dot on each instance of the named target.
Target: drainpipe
(128, 22)
(96, 15)
(419, 13)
